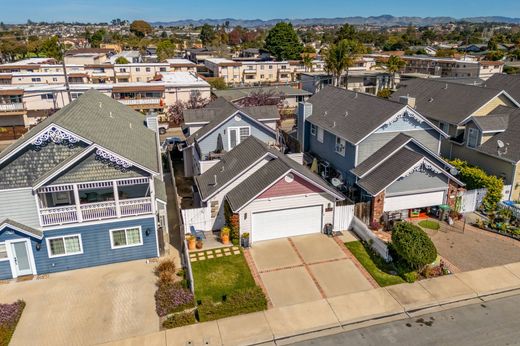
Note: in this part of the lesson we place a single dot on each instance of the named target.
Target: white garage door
(286, 223)
(419, 200)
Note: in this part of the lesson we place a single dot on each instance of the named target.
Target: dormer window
(473, 137)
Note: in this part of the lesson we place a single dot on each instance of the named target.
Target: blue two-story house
(376, 150)
(82, 188)
(221, 126)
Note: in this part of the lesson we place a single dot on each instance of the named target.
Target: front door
(233, 138)
(21, 259)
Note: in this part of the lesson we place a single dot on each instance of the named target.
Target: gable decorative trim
(423, 166)
(55, 135)
(112, 159)
(402, 115)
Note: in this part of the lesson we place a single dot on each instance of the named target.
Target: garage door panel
(419, 200)
(287, 222)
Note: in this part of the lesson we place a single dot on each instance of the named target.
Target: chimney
(304, 111)
(407, 100)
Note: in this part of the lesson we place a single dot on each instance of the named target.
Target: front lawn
(216, 278)
(9, 316)
(375, 265)
(429, 224)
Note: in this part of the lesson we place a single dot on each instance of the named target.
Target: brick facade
(451, 198)
(378, 203)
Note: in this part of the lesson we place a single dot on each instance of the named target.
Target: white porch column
(152, 195)
(116, 198)
(77, 202)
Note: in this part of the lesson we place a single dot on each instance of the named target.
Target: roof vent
(130, 124)
(215, 180)
(325, 113)
(446, 86)
(431, 99)
(334, 124)
(110, 114)
(101, 105)
(346, 113)
(355, 95)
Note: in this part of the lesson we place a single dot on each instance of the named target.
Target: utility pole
(67, 86)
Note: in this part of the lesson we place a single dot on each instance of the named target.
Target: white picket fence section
(369, 237)
(187, 265)
(198, 218)
(472, 200)
(343, 215)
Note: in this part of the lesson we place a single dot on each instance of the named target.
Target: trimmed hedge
(413, 245)
(179, 320)
(172, 297)
(239, 302)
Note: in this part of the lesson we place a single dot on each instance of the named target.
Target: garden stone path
(214, 253)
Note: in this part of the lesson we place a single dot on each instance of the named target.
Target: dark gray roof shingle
(160, 190)
(492, 122)
(349, 114)
(448, 102)
(29, 230)
(507, 82)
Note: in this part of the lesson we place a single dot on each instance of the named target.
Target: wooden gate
(362, 211)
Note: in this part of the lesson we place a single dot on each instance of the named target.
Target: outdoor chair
(197, 234)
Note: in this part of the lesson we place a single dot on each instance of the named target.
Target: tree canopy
(283, 42)
(140, 28)
(165, 50)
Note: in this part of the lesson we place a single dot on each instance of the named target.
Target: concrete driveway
(86, 306)
(306, 268)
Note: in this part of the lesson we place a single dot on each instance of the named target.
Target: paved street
(490, 323)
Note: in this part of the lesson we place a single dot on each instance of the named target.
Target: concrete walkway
(326, 316)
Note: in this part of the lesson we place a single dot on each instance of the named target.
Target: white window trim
(47, 240)
(320, 134)
(313, 130)
(341, 142)
(237, 128)
(7, 258)
(125, 229)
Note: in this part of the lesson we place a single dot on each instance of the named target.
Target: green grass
(218, 277)
(430, 224)
(374, 264)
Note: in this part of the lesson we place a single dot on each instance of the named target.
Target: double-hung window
(320, 135)
(473, 135)
(313, 129)
(125, 237)
(3, 252)
(340, 146)
(64, 246)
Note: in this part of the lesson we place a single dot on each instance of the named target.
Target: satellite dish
(454, 171)
(500, 144)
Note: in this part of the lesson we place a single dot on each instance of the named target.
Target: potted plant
(199, 244)
(245, 239)
(191, 242)
(224, 235)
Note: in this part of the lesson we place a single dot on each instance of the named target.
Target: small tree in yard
(413, 245)
(174, 112)
(261, 98)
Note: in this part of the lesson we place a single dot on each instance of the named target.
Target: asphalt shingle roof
(493, 122)
(448, 102)
(509, 83)
(390, 170)
(349, 114)
(34, 232)
(240, 93)
(160, 189)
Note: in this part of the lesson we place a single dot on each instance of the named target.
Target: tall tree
(207, 34)
(346, 32)
(307, 61)
(51, 48)
(340, 57)
(393, 65)
(283, 42)
(140, 28)
(165, 50)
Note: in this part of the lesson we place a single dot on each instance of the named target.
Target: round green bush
(413, 245)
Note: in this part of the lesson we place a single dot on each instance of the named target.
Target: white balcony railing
(151, 101)
(96, 211)
(10, 107)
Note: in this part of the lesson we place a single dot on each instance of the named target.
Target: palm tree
(307, 62)
(340, 57)
(394, 65)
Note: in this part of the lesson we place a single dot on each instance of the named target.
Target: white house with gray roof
(82, 188)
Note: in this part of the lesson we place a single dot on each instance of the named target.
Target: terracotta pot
(191, 244)
(225, 239)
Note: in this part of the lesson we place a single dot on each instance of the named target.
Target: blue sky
(12, 11)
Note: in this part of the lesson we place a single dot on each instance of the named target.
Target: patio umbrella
(314, 165)
(220, 144)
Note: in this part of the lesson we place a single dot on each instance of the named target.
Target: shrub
(239, 302)
(233, 222)
(172, 297)
(179, 320)
(166, 265)
(410, 277)
(413, 245)
(374, 225)
(9, 316)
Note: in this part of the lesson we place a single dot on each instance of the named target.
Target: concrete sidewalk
(291, 323)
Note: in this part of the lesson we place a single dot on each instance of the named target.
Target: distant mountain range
(384, 20)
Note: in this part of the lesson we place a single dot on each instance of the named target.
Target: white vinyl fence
(343, 215)
(472, 200)
(369, 237)
(187, 265)
(198, 218)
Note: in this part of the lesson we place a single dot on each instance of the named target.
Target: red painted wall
(298, 186)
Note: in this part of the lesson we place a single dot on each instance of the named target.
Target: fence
(370, 238)
(196, 218)
(343, 216)
(187, 265)
(472, 200)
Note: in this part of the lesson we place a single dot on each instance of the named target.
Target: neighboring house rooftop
(220, 110)
(240, 93)
(509, 83)
(246, 154)
(349, 114)
(448, 102)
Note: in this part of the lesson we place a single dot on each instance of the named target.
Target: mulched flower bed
(9, 316)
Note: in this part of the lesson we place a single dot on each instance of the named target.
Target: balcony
(138, 102)
(12, 107)
(95, 211)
